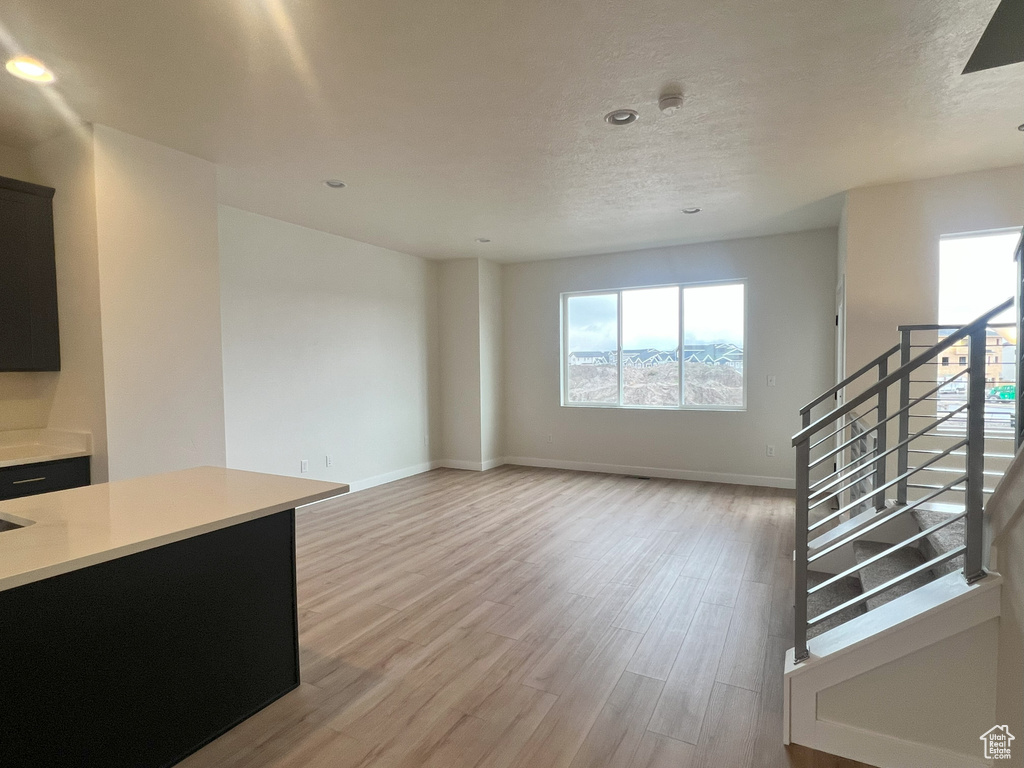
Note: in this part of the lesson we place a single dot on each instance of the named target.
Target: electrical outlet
(771, 381)
(769, 450)
(304, 466)
(330, 460)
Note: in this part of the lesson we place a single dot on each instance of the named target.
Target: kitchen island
(141, 619)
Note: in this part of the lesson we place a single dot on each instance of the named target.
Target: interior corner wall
(460, 334)
(791, 283)
(892, 248)
(65, 163)
(327, 352)
(156, 225)
(491, 350)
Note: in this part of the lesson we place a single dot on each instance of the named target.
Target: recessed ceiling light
(483, 240)
(621, 117)
(335, 184)
(30, 69)
(694, 209)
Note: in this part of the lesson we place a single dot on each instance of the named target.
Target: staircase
(890, 559)
(942, 528)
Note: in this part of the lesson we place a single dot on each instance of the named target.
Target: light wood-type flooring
(531, 618)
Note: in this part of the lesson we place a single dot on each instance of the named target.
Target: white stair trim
(933, 613)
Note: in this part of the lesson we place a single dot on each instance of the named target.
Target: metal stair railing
(814, 447)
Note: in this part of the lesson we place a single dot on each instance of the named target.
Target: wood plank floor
(529, 618)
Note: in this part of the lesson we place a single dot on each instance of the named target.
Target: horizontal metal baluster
(902, 510)
(895, 481)
(872, 428)
(895, 548)
(921, 433)
(864, 597)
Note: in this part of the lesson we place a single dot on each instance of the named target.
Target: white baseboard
(613, 469)
(671, 474)
(390, 477)
(474, 466)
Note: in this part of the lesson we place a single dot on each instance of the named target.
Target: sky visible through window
(976, 272)
(594, 322)
(650, 318)
(713, 313)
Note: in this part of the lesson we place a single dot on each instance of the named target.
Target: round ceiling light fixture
(692, 209)
(30, 69)
(335, 184)
(621, 117)
(483, 240)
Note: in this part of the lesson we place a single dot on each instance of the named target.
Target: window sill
(670, 408)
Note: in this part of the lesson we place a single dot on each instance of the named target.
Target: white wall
(459, 315)
(156, 221)
(892, 248)
(1005, 521)
(65, 162)
(940, 696)
(491, 367)
(327, 346)
(790, 303)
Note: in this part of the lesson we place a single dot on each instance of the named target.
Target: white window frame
(563, 366)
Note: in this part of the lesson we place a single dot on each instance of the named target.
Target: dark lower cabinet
(140, 661)
(43, 477)
(29, 335)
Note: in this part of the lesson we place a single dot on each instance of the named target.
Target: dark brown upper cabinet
(29, 336)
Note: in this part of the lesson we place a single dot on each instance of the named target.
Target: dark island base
(142, 660)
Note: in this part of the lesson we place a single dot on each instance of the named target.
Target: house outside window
(621, 347)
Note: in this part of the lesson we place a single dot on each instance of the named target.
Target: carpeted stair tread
(943, 540)
(888, 568)
(830, 597)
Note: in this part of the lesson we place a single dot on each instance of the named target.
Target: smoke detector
(670, 103)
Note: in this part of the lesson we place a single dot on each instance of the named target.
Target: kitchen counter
(30, 446)
(146, 617)
(80, 527)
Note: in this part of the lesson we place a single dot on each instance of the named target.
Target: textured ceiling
(457, 119)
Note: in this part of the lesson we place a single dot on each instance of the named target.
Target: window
(621, 348)
(963, 359)
(945, 361)
(976, 272)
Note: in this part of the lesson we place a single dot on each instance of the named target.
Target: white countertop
(85, 526)
(28, 446)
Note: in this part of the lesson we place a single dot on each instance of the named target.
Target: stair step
(888, 568)
(830, 597)
(944, 539)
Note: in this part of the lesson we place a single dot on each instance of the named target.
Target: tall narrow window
(650, 346)
(977, 272)
(592, 333)
(713, 321)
